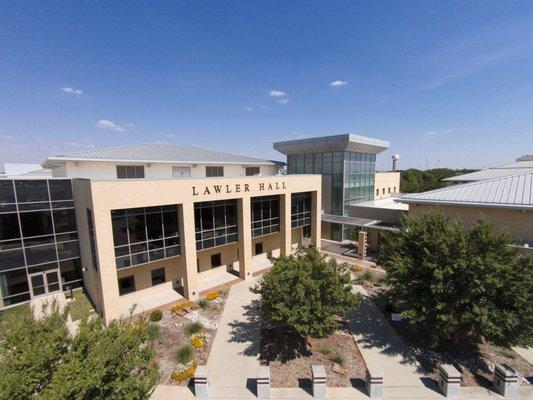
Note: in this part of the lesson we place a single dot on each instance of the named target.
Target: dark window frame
(122, 290)
(159, 278)
(214, 171)
(252, 171)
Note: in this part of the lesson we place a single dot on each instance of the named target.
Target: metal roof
(346, 142)
(355, 221)
(158, 153)
(518, 167)
(515, 191)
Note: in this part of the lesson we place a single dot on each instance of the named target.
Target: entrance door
(181, 172)
(43, 283)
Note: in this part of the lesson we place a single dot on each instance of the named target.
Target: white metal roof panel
(515, 191)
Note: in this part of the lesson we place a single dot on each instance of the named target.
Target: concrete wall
(112, 195)
(174, 271)
(518, 223)
(383, 214)
(107, 170)
(388, 182)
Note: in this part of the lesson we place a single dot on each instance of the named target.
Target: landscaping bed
(475, 361)
(174, 334)
(290, 358)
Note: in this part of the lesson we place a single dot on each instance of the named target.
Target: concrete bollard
(318, 374)
(505, 380)
(449, 380)
(263, 382)
(374, 382)
(201, 382)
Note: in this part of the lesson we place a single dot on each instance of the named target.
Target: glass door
(43, 283)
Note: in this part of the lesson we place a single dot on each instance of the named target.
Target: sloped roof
(515, 191)
(158, 153)
(518, 167)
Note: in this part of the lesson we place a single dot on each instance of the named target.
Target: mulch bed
(475, 361)
(172, 336)
(290, 358)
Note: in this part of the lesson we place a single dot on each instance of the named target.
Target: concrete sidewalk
(381, 346)
(234, 357)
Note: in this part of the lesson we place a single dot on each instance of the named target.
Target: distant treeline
(415, 180)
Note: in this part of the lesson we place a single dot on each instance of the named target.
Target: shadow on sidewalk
(375, 332)
(248, 330)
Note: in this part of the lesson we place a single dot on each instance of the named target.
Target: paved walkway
(381, 346)
(234, 357)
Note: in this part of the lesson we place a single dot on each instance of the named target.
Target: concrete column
(188, 250)
(318, 375)
(361, 245)
(373, 239)
(316, 223)
(505, 380)
(245, 238)
(201, 382)
(263, 382)
(374, 382)
(285, 230)
(449, 380)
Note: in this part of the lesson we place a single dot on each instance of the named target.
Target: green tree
(303, 293)
(39, 360)
(29, 352)
(452, 282)
(106, 363)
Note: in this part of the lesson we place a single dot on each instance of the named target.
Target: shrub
(305, 293)
(155, 316)
(366, 276)
(181, 307)
(152, 332)
(193, 328)
(184, 372)
(203, 303)
(213, 295)
(326, 349)
(184, 354)
(356, 268)
(197, 342)
(337, 358)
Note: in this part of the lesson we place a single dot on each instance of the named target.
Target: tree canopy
(304, 293)
(451, 282)
(39, 360)
(414, 180)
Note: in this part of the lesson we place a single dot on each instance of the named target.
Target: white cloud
(72, 91)
(338, 83)
(283, 101)
(432, 133)
(277, 93)
(107, 124)
(248, 108)
(167, 134)
(6, 137)
(79, 144)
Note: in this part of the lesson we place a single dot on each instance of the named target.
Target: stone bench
(201, 382)
(318, 375)
(374, 382)
(263, 382)
(505, 380)
(449, 380)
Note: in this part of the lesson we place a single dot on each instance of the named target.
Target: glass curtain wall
(359, 170)
(38, 233)
(265, 215)
(215, 223)
(145, 234)
(300, 209)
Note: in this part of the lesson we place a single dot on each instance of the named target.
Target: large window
(158, 276)
(265, 215)
(130, 172)
(92, 239)
(214, 171)
(143, 235)
(37, 233)
(300, 209)
(252, 171)
(126, 285)
(215, 223)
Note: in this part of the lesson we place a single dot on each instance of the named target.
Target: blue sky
(447, 83)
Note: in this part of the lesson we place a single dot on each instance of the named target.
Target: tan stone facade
(191, 268)
(386, 184)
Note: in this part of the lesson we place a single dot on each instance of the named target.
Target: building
(347, 164)
(506, 202)
(148, 225)
(521, 165)
(23, 170)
